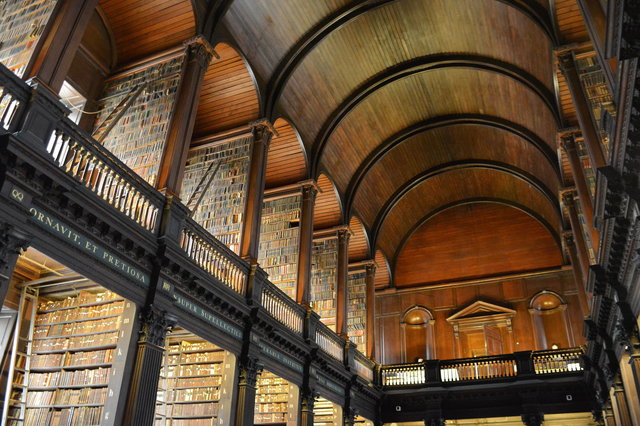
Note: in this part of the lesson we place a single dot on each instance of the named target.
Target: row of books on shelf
(187, 346)
(280, 220)
(283, 206)
(272, 407)
(75, 416)
(192, 382)
(93, 376)
(81, 314)
(72, 359)
(211, 421)
(196, 357)
(83, 298)
(170, 371)
(202, 409)
(78, 342)
(269, 418)
(75, 328)
(287, 261)
(323, 295)
(95, 396)
(194, 394)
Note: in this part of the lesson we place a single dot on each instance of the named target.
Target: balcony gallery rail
(13, 98)
(499, 367)
(329, 342)
(283, 308)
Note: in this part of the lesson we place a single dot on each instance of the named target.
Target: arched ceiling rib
(455, 186)
(413, 99)
(462, 144)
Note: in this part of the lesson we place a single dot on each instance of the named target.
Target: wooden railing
(329, 342)
(477, 368)
(14, 95)
(558, 361)
(403, 375)
(283, 308)
(213, 257)
(363, 366)
(88, 162)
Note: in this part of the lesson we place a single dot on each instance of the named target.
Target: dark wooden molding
(446, 121)
(417, 66)
(287, 66)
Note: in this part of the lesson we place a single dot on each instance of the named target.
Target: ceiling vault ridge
(298, 52)
(420, 65)
(552, 231)
(459, 165)
(442, 122)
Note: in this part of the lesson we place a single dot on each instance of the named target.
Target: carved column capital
(11, 244)
(568, 197)
(309, 191)
(263, 130)
(199, 49)
(343, 235)
(154, 326)
(248, 372)
(566, 61)
(568, 142)
(568, 239)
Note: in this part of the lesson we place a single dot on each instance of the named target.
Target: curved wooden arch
(439, 122)
(286, 157)
(457, 165)
(417, 307)
(209, 117)
(327, 198)
(358, 239)
(545, 293)
(383, 270)
(552, 231)
(417, 66)
(287, 66)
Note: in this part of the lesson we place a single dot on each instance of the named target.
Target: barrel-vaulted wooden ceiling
(413, 107)
(409, 113)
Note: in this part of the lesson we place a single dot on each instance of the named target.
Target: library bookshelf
(195, 382)
(63, 364)
(280, 242)
(221, 210)
(276, 401)
(357, 309)
(324, 264)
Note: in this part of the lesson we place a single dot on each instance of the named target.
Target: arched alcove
(549, 319)
(416, 328)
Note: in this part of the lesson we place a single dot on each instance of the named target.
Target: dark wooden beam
(420, 65)
(439, 122)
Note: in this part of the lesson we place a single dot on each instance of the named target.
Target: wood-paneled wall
(443, 301)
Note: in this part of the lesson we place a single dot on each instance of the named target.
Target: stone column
(143, 389)
(590, 134)
(307, 401)
(578, 236)
(12, 243)
(370, 303)
(303, 291)
(342, 278)
(262, 134)
(51, 61)
(577, 274)
(198, 54)
(248, 370)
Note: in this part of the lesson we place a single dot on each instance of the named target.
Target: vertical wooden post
(11, 245)
(587, 126)
(370, 303)
(51, 62)
(307, 401)
(342, 290)
(262, 133)
(248, 370)
(577, 274)
(578, 236)
(303, 291)
(198, 54)
(141, 402)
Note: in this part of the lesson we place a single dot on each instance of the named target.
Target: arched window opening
(417, 334)
(550, 322)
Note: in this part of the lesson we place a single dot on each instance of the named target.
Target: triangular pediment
(480, 309)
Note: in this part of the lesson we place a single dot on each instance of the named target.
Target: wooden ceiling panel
(458, 249)
(404, 30)
(410, 100)
(569, 118)
(327, 211)
(228, 97)
(286, 160)
(570, 22)
(469, 143)
(144, 27)
(455, 187)
(358, 243)
(383, 274)
(266, 30)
